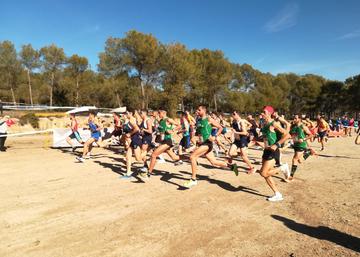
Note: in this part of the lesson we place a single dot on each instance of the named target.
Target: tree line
(139, 71)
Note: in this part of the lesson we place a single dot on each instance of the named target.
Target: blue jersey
(94, 132)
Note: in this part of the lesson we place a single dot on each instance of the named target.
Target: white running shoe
(80, 159)
(276, 197)
(161, 160)
(284, 168)
(190, 183)
(180, 162)
(143, 169)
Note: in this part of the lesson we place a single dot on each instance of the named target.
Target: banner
(60, 135)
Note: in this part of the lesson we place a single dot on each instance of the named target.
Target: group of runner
(142, 132)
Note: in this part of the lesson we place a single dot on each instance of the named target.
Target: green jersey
(204, 129)
(164, 128)
(297, 132)
(270, 136)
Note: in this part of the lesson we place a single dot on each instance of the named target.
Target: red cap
(269, 109)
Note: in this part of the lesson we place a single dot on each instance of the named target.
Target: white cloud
(286, 18)
(351, 35)
(93, 29)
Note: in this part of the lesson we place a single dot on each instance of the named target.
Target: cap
(269, 109)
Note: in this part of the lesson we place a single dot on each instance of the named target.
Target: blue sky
(304, 36)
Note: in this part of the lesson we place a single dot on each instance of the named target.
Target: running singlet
(297, 132)
(143, 125)
(270, 136)
(204, 129)
(76, 126)
(163, 128)
(186, 129)
(93, 128)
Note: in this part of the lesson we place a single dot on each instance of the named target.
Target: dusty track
(52, 206)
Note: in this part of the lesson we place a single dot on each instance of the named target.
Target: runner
(95, 128)
(300, 134)
(167, 127)
(240, 132)
(218, 143)
(75, 133)
(146, 131)
(323, 128)
(285, 125)
(133, 133)
(206, 140)
(224, 124)
(272, 144)
(185, 131)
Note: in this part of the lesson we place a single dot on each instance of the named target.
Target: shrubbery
(30, 118)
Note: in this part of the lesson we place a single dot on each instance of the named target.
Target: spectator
(3, 132)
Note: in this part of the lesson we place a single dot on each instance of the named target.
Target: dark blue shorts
(146, 139)
(242, 142)
(185, 142)
(136, 141)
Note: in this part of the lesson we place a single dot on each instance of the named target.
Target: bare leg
(155, 154)
(267, 171)
(194, 157)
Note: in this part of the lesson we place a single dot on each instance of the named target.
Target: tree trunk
(11, 88)
(13, 94)
(215, 102)
(142, 94)
(77, 92)
(30, 91)
(52, 88)
(118, 99)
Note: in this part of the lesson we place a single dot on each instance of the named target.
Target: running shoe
(80, 159)
(234, 168)
(190, 183)
(284, 168)
(144, 176)
(161, 160)
(276, 197)
(180, 162)
(144, 169)
(126, 176)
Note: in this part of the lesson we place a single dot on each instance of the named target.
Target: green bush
(31, 119)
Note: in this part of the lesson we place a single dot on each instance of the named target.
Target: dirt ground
(50, 205)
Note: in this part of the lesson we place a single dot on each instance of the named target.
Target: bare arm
(217, 125)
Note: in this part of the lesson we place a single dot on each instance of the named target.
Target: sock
(293, 170)
(307, 153)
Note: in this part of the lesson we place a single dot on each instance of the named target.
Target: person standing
(3, 132)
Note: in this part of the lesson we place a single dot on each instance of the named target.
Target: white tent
(119, 110)
(81, 109)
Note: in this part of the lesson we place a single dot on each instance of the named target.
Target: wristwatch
(278, 145)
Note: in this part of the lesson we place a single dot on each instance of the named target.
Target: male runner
(167, 127)
(75, 133)
(272, 144)
(95, 127)
(240, 131)
(300, 134)
(206, 140)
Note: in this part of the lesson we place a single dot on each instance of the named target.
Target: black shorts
(209, 144)
(254, 133)
(117, 133)
(185, 142)
(269, 155)
(241, 143)
(135, 141)
(168, 142)
(299, 149)
(322, 134)
(146, 139)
